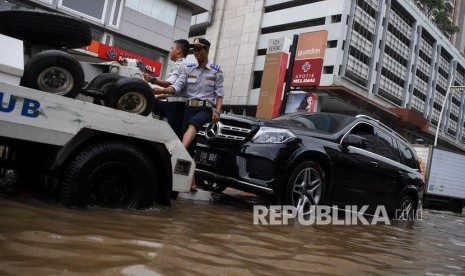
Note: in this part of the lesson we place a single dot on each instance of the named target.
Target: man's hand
(147, 77)
(216, 116)
(158, 90)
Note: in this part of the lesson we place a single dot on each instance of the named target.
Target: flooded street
(217, 238)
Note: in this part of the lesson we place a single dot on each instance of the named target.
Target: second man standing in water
(174, 87)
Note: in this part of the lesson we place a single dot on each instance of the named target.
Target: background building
(383, 58)
(143, 27)
(459, 20)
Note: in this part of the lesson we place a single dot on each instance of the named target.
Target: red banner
(107, 52)
(307, 72)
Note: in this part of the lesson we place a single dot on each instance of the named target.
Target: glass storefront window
(93, 9)
(162, 10)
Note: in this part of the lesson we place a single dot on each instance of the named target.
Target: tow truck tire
(45, 28)
(112, 174)
(55, 72)
(132, 95)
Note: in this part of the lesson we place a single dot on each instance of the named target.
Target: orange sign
(271, 89)
(309, 59)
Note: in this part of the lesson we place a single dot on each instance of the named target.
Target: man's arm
(219, 90)
(177, 80)
(217, 110)
(156, 81)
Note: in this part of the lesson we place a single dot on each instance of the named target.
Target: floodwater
(217, 238)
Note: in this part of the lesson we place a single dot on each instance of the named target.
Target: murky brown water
(218, 238)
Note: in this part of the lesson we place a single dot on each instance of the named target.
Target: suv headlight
(270, 135)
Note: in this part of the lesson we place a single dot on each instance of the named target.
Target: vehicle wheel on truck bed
(54, 71)
(103, 83)
(45, 28)
(111, 174)
(132, 95)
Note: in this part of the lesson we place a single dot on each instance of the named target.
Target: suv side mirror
(355, 141)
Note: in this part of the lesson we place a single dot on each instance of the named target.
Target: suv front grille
(221, 132)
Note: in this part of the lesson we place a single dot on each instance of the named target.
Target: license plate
(206, 158)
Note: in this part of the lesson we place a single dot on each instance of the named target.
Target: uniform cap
(200, 42)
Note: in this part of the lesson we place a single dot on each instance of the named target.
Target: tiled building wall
(234, 32)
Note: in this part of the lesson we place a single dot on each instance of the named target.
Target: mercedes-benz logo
(212, 130)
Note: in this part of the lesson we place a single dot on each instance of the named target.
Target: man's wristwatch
(153, 80)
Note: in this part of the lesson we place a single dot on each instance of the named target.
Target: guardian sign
(309, 59)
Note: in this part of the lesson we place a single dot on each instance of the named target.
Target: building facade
(143, 27)
(383, 58)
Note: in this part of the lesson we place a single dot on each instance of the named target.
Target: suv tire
(305, 187)
(405, 209)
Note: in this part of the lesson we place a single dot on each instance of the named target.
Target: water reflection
(218, 238)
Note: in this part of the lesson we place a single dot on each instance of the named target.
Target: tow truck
(83, 153)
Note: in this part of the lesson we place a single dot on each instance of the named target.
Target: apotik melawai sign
(309, 57)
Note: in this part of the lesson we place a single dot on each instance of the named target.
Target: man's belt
(176, 99)
(198, 103)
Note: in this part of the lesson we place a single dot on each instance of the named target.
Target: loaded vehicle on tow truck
(81, 152)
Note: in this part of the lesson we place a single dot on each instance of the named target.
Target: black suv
(307, 159)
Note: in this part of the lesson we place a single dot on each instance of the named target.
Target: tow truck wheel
(132, 95)
(55, 72)
(112, 174)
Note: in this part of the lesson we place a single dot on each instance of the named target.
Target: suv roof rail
(366, 117)
(383, 125)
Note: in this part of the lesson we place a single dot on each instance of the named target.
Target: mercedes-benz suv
(306, 159)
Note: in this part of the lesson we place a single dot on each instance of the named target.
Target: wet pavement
(217, 238)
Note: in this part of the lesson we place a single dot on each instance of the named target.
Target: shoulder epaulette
(215, 66)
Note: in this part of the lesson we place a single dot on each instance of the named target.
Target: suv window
(406, 156)
(366, 131)
(379, 142)
(385, 146)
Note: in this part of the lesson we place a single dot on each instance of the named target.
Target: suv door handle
(374, 164)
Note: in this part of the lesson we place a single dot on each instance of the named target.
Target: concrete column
(431, 84)
(446, 118)
(414, 52)
(433, 87)
(382, 46)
